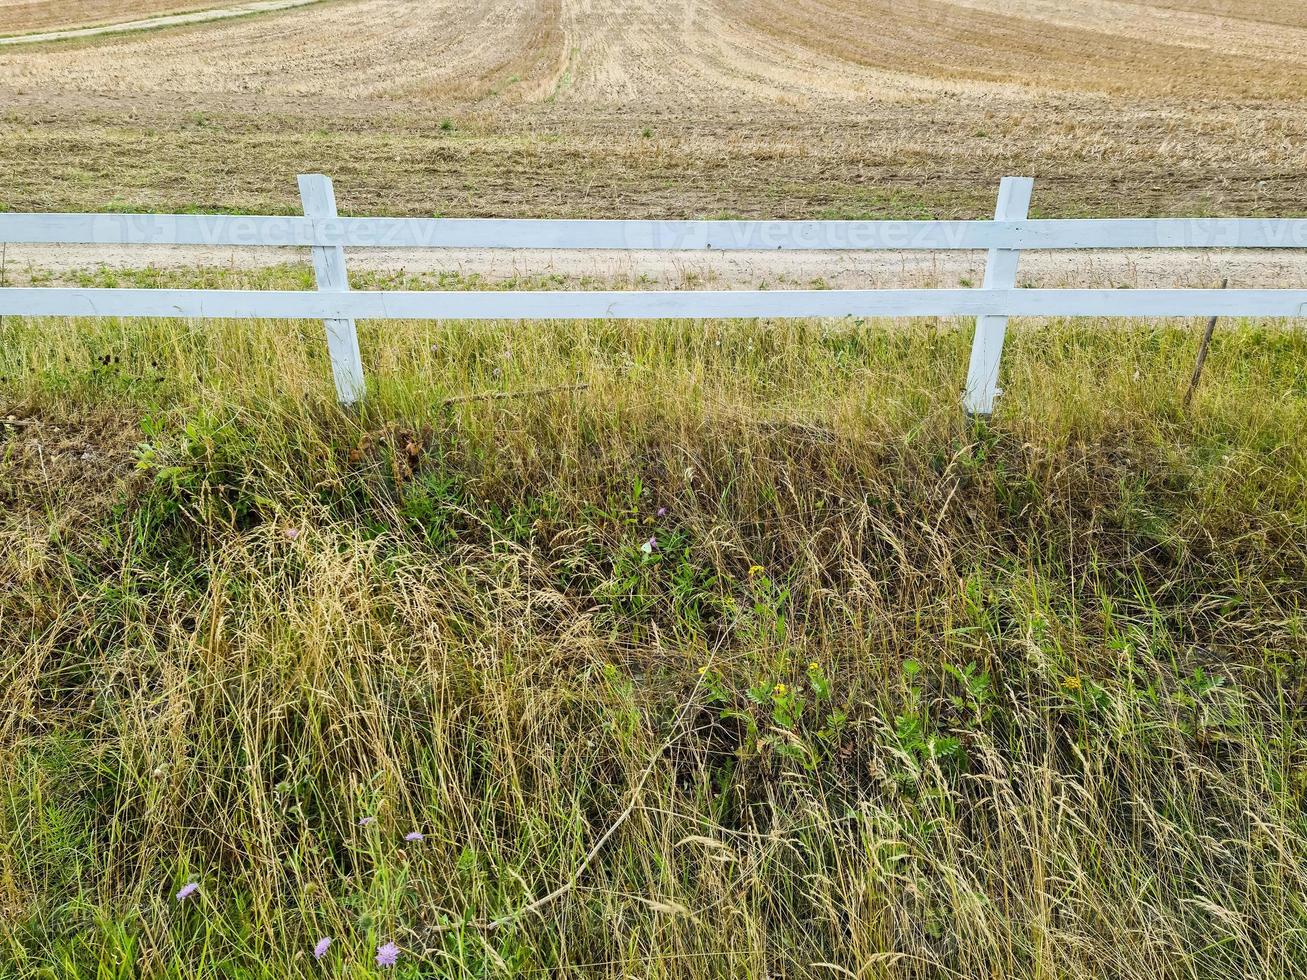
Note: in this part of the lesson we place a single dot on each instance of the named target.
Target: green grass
(893, 696)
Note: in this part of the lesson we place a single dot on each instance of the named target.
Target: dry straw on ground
(671, 109)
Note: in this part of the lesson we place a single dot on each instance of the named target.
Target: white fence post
(319, 200)
(1000, 273)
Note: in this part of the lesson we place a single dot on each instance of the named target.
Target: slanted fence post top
(319, 200)
(1000, 273)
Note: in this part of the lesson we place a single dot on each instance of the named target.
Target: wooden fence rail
(328, 235)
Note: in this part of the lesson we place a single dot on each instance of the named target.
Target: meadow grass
(704, 649)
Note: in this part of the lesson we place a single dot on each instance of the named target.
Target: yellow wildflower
(780, 689)
(814, 666)
(1071, 683)
(755, 570)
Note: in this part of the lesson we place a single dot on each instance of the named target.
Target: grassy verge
(722, 649)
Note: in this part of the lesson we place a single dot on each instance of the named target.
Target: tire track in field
(151, 23)
(1291, 13)
(1164, 23)
(29, 16)
(662, 54)
(1109, 47)
(346, 50)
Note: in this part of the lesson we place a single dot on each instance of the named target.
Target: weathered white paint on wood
(691, 304)
(1000, 273)
(228, 229)
(319, 200)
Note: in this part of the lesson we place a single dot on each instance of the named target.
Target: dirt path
(50, 265)
(171, 20)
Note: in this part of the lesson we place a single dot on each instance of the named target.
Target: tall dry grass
(890, 695)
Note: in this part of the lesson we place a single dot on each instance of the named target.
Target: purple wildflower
(662, 512)
(414, 835)
(292, 533)
(367, 821)
(650, 546)
(187, 890)
(321, 947)
(387, 955)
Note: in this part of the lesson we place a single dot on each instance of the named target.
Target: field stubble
(683, 109)
(31, 16)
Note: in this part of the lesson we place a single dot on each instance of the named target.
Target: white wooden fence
(329, 235)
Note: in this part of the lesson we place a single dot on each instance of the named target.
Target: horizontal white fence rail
(328, 235)
(649, 305)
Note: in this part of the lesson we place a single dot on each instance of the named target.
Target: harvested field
(729, 54)
(581, 107)
(26, 16)
(340, 52)
(159, 22)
